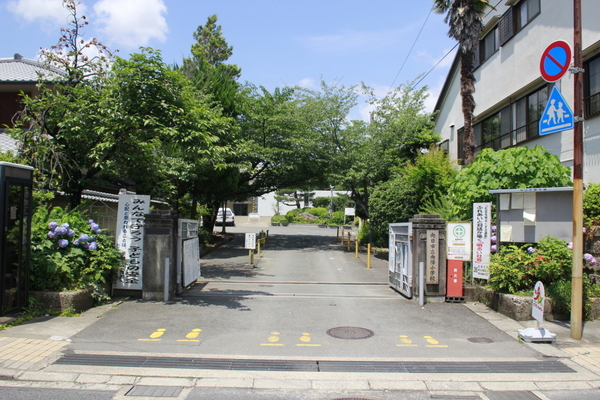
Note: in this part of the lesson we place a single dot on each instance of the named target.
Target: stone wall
(518, 307)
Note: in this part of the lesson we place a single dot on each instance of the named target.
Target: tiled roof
(7, 143)
(20, 70)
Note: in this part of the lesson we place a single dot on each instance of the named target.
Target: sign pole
(577, 271)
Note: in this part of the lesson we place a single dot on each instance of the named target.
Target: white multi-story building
(510, 93)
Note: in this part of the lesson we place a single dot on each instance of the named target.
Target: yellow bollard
(337, 233)
(258, 244)
(342, 236)
(356, 244)
(369, 255)
(349, 241)
(251, 257)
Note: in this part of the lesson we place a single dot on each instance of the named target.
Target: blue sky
(276, 42)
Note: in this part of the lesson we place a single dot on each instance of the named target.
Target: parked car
(225, 215)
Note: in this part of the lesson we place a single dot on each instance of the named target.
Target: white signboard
(482, 226)
(130, 239)
(458, 237)
(250, 241)
(349, 211)
(537, 306)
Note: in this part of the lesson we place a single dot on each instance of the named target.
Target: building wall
(513, 71)
(267, 205)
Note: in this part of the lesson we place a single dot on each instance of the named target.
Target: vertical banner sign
(537, 307)
(433, 257)
(250, 242)
(482, 218)
(459, 241)
(130, 239)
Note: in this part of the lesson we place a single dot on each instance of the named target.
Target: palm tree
(464, 18)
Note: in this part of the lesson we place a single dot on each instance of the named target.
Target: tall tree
(464, 19)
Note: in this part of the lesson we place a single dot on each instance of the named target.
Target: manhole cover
(480, 340)
(350, 332)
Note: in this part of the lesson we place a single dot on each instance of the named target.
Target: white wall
(513, 71)
(267, 203)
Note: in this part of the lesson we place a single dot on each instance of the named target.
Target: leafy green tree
(464, 19)
(370, 153)
(280, 149)
(60, 121)
(513, 168)
(399, 199)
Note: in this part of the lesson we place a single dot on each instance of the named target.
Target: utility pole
(577, 272)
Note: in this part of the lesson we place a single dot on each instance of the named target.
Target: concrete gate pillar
(429, 247)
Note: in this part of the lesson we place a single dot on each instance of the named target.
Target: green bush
(337, 218)
(279, 219)
(591, 207)
(69, 252)
(518, 267)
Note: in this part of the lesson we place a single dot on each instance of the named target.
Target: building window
(488, 45)
(526, 11)
(592, 87)
(445, 146)
(514, 123)
(515, 18)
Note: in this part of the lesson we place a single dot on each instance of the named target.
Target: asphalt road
(306, 297)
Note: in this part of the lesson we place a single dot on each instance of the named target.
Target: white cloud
(132, 23)
(352, 40)
(50, 12)
(308, 83)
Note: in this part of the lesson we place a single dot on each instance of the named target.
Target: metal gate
(400, 257)
(188, 253)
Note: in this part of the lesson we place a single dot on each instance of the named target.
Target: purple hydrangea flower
(61, 230)
(91, 221)
(65, 225)
(494, 248)
(593, 261)
(570, 246)
(493, 238)
(530, 250)
(588, 257)
(93, 246)
(98, 231)
(94, 226)
(83, 238)
(70, 232)
(52, 225)
(75, 242)
(584, 229)
(63, 243)
(52, 235)
(494, 227)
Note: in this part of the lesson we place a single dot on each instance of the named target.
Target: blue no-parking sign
(557, 116)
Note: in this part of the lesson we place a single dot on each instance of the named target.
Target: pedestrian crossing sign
(557, 116)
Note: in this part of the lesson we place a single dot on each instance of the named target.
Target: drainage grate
(350, 332)
(511, 395)
(480, 340)
(155, 391)
(410, 367)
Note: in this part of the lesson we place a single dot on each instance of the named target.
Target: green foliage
(340, 202)
(400, 199)
(513, 168)
(514, 268)
(364, 232)
(559, 293)
(591, 208)
(81, 257)
(281, 219)
(337, 218)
